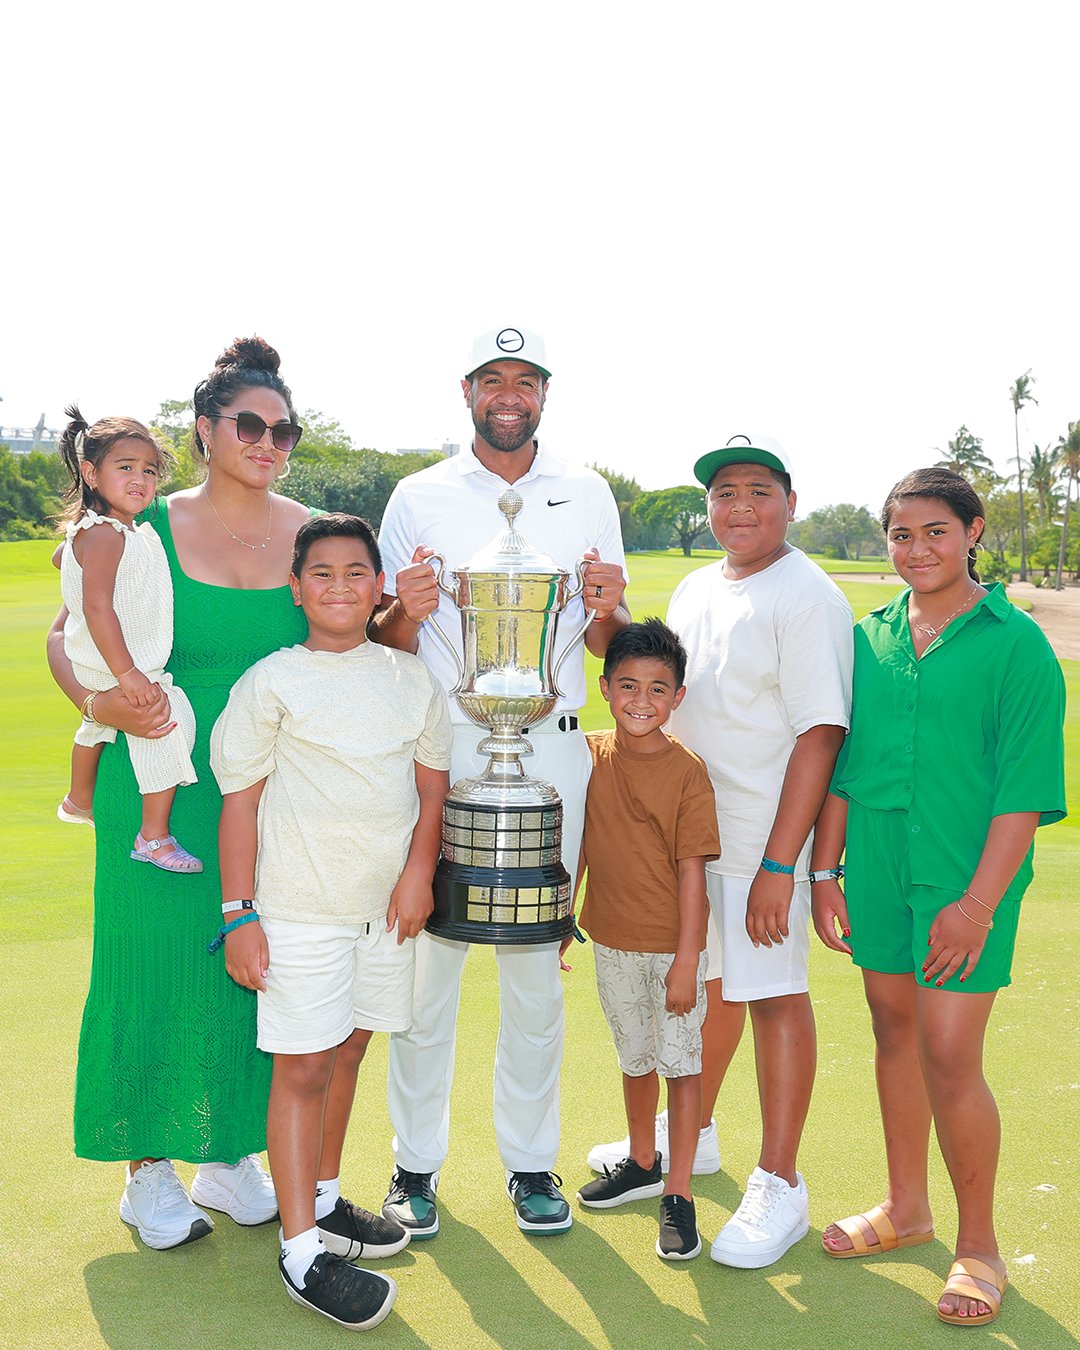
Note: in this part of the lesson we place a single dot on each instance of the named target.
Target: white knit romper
(143, 604)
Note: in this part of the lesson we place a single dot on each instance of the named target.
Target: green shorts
(890, 918)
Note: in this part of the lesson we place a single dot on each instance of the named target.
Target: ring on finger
(599, 592)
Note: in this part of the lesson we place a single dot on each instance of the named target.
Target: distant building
(21, 440)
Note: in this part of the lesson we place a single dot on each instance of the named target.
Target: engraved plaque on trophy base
(500, 878)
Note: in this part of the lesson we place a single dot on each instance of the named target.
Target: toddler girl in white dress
(116, 585)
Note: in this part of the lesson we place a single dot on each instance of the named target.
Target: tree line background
(1031, 530)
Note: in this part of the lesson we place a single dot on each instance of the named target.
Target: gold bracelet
(88, 708)
(978, 901)
(967, 916)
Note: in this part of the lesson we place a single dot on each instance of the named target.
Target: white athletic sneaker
(771, 1218)
(156, 1203)
(706, 1155)
(243, 1190)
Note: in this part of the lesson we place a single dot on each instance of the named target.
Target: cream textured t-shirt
(335, 735)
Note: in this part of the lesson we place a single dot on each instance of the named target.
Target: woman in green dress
(168, 1066)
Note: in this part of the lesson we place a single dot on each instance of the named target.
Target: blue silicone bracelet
(228, 928)
(768, 865)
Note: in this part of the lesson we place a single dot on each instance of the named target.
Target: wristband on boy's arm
(827, 873)
(768, 865)
(229, 928)
(232, 906)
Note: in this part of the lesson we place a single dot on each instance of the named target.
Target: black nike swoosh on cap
(562, 503)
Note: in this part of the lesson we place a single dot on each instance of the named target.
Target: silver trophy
(500, 877)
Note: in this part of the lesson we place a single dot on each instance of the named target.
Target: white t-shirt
(770, 656)
(451, 507)
(335, 735)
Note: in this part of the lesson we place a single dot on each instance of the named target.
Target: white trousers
(531, 1022)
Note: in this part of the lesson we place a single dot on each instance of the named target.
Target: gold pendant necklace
(254, 547)
(930, 630)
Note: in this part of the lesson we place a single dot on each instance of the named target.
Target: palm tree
(1067, 460)
(966, 456)
(1042, 474)
(1020, 393)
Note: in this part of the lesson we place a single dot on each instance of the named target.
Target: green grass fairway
(74, 1277)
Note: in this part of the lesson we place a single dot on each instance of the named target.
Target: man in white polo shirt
(450, 508)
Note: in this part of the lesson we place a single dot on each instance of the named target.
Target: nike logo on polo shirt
(562, 503)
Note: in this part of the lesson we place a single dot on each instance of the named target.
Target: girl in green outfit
(168, 1067)
(955, 757)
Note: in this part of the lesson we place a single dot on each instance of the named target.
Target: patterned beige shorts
(633, 996)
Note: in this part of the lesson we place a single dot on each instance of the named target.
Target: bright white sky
(849, 225)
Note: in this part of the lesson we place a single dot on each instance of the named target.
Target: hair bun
(253, 353)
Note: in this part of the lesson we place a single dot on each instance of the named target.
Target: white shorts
(750, 973)
(326, 980)
(634, 999)
(712, 948)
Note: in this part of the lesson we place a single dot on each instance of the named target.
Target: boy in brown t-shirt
(650, 826)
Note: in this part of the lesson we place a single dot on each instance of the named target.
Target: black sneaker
(625, 1181)
(538, 1202)
(352, 1232)
(352, 1297)
(411, 1203)
(679, 1238)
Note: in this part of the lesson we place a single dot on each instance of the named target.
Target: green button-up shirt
(971, 731)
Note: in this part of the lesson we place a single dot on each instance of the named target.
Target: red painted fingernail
(847, 932)
(963, 978)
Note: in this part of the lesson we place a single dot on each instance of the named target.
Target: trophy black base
(511, 905)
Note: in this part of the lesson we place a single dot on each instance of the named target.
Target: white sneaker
(243, 1190)
(772, 1217)
(706, 1155)
(156, 1203)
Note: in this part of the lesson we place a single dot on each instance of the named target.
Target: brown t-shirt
(642, 815)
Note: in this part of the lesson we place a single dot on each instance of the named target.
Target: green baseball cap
(743, 450)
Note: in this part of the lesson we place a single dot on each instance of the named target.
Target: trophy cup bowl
(500, 877)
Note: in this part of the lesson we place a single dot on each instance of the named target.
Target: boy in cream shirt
(333, 759)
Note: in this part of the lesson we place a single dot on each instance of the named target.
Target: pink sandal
(71, 814)
(179, 860)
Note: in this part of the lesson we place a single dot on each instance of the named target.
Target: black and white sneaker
(411, 1203)
(625, 1181)
(679, 1238)
(352, 1297)
(352, 1232)
(538, 1203)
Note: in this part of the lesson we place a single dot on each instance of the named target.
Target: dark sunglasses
(250, 428)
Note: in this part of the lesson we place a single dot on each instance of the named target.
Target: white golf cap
(743, 449)
(513, 344)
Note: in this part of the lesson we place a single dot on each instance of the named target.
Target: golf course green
(74, 1276)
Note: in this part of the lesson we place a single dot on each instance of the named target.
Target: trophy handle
(590, 614)
(579, 572)
(434, 558)
(440, 572)
(578, 637)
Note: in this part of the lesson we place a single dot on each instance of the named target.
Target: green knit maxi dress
(168, 1065)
